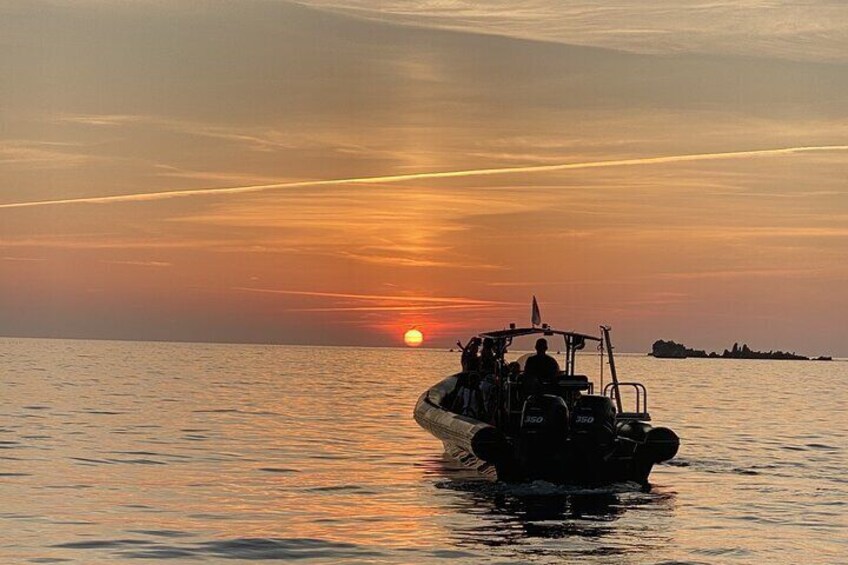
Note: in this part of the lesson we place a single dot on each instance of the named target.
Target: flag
(535, 316)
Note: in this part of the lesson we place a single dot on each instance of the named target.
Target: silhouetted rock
(673, 350)
(745, 352)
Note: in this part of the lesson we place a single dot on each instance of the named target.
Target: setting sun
(413, 338)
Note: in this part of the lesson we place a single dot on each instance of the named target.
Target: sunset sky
(336, 172)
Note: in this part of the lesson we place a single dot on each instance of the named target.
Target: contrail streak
(141, 197)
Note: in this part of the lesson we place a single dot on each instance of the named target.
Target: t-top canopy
(544, 330)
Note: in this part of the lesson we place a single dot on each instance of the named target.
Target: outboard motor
(544, 429)
(593, 426)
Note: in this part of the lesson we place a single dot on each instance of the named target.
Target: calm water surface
(117, 452)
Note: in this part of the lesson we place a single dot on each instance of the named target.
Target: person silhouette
(541, 368)
(488, 360)
(489, 378)
(469, 359)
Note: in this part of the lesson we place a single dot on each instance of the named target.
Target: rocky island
(672, 350)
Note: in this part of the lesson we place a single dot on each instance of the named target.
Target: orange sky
(673, 188)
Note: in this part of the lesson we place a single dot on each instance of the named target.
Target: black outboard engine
(544, 430)
(593, 426)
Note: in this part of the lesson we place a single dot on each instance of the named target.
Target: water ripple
(216, 453)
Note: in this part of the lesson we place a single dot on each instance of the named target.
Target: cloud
(141, 263)
(436, 175)
(568, 283)
(108, 242)
(404, 308)
(413, 261)
(804, 31)
(375, 303)
(24, 259)
(262, 139)
(762, 232)
(43, 154)
(740, 273)
(381, 297)
(259, 139)
(176, 172)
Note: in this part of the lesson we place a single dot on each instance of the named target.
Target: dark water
(117, 452)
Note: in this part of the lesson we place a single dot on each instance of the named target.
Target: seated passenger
(467, 399)
(540, 369)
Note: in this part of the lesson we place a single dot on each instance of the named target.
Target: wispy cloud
(741, 273)
(44, 154)
(404, 308)
(158, 264)
(260, 139)
(107, 241)
(739, 233)
(175, 172)
(376, 303)
(381, 297)
(23, 259)
(808, 31)
(566, 283)
(399, 261)
(435, 175)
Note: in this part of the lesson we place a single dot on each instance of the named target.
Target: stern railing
(611, 391)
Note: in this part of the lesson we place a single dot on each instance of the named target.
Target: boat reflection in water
(616, 519)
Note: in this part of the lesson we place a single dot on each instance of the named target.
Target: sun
(413, 337)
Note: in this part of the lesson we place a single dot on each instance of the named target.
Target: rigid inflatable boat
(498, 418)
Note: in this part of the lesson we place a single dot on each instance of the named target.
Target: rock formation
(672, 350)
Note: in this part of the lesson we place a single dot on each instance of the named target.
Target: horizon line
(399, 345)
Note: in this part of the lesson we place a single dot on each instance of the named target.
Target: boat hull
(463, 434)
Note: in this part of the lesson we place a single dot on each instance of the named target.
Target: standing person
(488, 359)
(489, 378)
(469, 360)
(467, 396)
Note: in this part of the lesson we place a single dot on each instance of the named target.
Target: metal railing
(641, 411)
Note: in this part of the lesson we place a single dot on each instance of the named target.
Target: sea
(133, 452)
